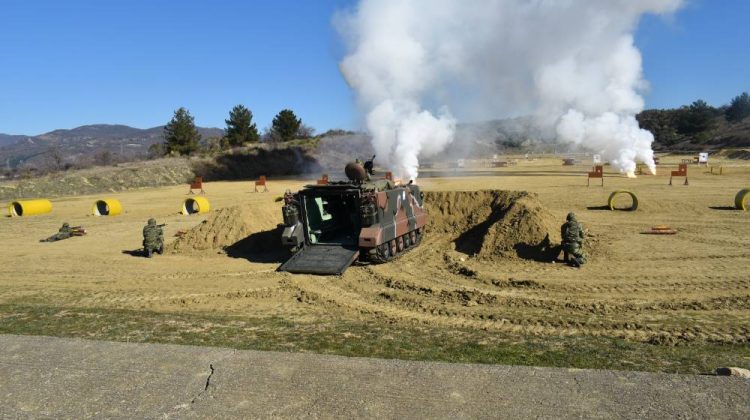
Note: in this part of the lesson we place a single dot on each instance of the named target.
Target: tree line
(693, 122)
(181, 137)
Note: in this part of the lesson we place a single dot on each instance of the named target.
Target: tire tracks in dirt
(396, 300)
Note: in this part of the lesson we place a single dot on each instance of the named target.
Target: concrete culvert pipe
(611, 201)
(740, 200)
(29, 207)
(107, 207)
(196, 205)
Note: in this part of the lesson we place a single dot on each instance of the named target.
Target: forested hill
(699, 126)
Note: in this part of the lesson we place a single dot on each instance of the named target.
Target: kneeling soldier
(153, 238)
(572, 241)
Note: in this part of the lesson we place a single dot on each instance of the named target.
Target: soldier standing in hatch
(65, 232)
(370, 167)
(153, 238)
(572, 241)
(359, 162)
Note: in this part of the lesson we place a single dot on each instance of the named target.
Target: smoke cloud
(419, 66)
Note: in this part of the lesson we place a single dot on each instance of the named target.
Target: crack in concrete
(212, 368)
(208, 383)
(189, 406)
(208, 380)
(196, 400)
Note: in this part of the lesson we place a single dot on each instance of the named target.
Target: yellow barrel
(195, 205)
(107, 207)
(740, 200)
(29, 207)
(611, 201)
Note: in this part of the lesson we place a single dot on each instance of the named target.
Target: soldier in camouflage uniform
(572, 241)
(370, 167)
(359, 162)
(153, 238)
(65, 232)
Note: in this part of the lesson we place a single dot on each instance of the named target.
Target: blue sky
(75, 62)
(702, 52)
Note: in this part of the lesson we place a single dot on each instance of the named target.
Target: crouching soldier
(153, 238)
(572, 241)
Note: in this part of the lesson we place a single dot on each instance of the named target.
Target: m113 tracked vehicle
(330, 225)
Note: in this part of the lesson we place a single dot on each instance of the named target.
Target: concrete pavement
(71, 378)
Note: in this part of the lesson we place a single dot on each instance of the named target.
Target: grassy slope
(292, 157)
(95, 180)
(366, 340)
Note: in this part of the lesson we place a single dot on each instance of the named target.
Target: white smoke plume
(417, 66)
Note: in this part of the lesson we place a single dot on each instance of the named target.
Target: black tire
(148, 252)
(160, 251)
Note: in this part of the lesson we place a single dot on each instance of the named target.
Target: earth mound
(241, 231)
(253, 162)
(494, 223)
(487, 224)
(742, 154)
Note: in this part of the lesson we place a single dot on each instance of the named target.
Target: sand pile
(246, 228)
(494, 223)
(483, 223)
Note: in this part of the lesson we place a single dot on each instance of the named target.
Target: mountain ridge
(85, 141)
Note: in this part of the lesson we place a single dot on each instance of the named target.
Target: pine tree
(180, 135)
(285, 125)
(240, 128)
(696, 118)
(739, 109)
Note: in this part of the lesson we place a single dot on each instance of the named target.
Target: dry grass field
(671, 303)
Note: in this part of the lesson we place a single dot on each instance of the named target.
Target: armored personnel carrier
(330, 225)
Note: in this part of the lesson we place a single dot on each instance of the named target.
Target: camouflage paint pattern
(398, 212)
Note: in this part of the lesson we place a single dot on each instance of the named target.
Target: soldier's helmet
(66, 225)
(152, 221)
(571, 217)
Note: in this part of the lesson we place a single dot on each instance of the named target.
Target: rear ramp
(321, 259)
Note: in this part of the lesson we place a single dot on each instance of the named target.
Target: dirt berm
(123, 177)
(241, 231)
(488, 224)
(494, 223)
